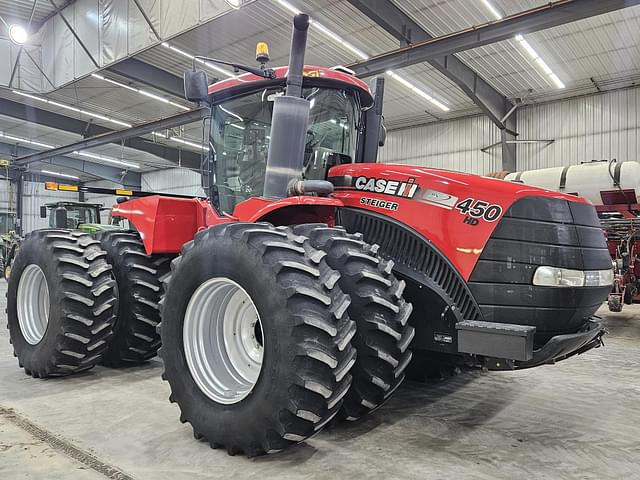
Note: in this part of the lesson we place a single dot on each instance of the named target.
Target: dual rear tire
(139, 283)
(74, 301)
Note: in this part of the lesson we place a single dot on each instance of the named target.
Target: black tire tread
(139, 279)
(89, 303)
(322, 335)
(380, 312)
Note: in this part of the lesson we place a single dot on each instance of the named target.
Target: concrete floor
(578, 419)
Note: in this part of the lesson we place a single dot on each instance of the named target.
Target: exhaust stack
(289, 121)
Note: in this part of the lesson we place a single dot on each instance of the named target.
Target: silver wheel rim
(33, 304)
(222, 338)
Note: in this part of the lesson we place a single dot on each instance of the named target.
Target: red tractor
(288, 300)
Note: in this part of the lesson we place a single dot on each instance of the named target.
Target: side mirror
(196, 85)
(43, 211)
(382, 134)
(60, 217)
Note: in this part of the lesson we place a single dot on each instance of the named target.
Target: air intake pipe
(289, 123)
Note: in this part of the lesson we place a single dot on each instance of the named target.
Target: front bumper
(562, 347)
(508, 346)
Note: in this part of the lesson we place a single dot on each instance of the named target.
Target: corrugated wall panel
(173, 180)
(452, 145)
(106, 200)
(34, 196)
(594, 127)
(7, 196)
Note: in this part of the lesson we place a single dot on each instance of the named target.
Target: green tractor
(9, 240)
(81, 216)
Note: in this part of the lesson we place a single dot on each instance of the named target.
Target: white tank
(588, 180)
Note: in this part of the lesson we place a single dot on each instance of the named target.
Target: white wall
(452, 145)
(174, 180)
(106, 200)
(592, 127)
(7, 195)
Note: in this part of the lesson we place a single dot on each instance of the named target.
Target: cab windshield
(241, 129)
(77, 215)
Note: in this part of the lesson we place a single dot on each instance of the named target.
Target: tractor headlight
(564, 277)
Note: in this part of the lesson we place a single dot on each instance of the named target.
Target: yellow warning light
(68, 188)
(50, 186)
(262, 52)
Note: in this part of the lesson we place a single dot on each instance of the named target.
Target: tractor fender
(288, 211)
(439, 293)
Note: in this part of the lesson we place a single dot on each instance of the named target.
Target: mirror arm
(260, 72)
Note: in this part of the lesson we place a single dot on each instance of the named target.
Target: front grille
(540, 231)
(413, 256)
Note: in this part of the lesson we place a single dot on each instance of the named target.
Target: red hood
(450, 181)
(431, 208)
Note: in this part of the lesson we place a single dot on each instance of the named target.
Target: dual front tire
(269, 333)
(230, 280)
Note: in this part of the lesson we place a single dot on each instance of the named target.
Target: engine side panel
(457, 212)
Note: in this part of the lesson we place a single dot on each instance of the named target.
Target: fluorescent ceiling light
(333, 36)
(493, 11)
(140, 91)
(418, 91)
(25, 140)
(199, 60)
(542, 65)
(363, 56)
(539, 62)
(58, 174)
(186, 142)
(82, 154)
(18, 34)
(103, 158)
(181, 140)
(74, 109)
(359, 53)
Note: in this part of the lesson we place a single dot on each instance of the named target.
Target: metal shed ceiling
(21, 10)
(600, 52)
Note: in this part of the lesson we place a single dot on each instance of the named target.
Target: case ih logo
(406, 189)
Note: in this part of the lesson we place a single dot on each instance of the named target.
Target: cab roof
(316, 76)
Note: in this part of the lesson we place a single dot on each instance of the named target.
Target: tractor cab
(241, 130)
(241, 121)
(74, 215)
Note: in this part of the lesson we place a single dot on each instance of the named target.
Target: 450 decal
(479, 209)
